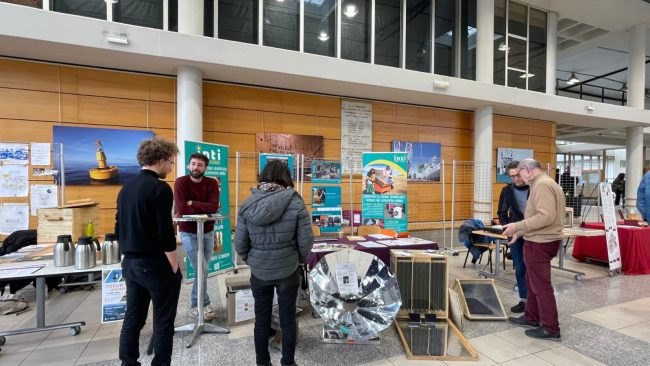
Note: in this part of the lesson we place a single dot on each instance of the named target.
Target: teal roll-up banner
(384, 201)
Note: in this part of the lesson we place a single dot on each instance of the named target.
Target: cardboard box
(53, 222)
(233, 285)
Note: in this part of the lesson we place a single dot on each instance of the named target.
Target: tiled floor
(605, 321)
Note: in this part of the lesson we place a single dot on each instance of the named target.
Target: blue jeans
(517, 251)
(263, 293)
(189, 241)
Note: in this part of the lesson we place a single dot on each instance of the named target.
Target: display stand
(200, 326)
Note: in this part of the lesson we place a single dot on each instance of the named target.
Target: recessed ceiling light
(573, 79)
(503, 47)
(350, 10)
(526, 75)
(323, 36)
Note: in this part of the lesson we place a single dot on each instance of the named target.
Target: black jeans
(287, 289)
(149, 280)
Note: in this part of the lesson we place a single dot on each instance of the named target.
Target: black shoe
(519, 308)
(542, 333)
(523, 322)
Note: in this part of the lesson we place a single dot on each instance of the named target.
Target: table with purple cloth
(382, 253)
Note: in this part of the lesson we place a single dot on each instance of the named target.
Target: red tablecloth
(381, 253)
(634, 243)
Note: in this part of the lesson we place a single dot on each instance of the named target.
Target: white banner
(611, 232)
(356, 133)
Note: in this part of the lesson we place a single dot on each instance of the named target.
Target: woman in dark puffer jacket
(273, 235)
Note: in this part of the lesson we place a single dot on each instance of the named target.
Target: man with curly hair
(144, 227)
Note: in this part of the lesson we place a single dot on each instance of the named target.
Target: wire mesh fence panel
(471, 194)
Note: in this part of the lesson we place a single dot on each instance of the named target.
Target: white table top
(48, 269)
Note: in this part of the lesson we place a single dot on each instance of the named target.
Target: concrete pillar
(482, 207)
(485, 42)
(635, 99)
(189, 112)
(551, 52)
(190, 17)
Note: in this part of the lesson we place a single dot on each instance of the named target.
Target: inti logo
(212, 155)
(400, 157)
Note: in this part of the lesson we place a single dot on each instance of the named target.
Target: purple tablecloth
(381, 253)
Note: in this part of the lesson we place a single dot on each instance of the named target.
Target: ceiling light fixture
(323, 36)
(503, 47)
(110, 1)
(526, 75)
(117, 38)
(351, 10)
(573, 79)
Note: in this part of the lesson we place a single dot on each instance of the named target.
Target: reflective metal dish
(355, 293)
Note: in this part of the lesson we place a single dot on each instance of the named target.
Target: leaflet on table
(413, 241)
(20, 270)
(327, 247)
(113, 295)
(244, 305)
(380, 236)
(371, 244)
(346, 278)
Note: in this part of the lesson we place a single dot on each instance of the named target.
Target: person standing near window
(273, 235)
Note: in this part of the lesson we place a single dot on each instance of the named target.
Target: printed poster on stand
(504, 156)
(113, 295)
(424, 159)
(217, 169)
(611, 231)
(326, 208)
(326, 171)
(383, 200)
(285, 158)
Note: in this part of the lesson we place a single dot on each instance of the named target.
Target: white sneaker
(209, 313)
(194, 312)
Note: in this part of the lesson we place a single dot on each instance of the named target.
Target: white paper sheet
(41, 153)
(371, 244)
(346, 278)
(14, 153)
(13, 217)
(244, 305)
(20, 270)
(380, 236)
(43, 196)
(14, 181)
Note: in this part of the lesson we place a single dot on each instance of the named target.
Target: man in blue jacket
(643, 197)
(512, 204)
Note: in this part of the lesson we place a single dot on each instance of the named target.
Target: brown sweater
(544, 216)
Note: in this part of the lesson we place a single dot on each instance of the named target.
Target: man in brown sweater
(542, 231)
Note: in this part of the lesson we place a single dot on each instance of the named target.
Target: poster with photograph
(113, 296)
(504, 156)
(328, 219)
(325, 196)
(356, 134)
(98, 156)
(13, 217)
(323, 171)
(43, 196)
(285, 158)
(218, 169)
(278, 143)
(611, 231)
(14, 153)
(14, 180)
(384, 200)
(423, 159)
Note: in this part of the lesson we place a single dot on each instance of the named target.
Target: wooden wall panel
(219, 119)
(299, 103)
(384, 112)
(329, 107)
(329, 127)
(29, 105)
(231, 96)
(16, 130)
(28, 76)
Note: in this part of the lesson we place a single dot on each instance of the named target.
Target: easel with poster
(611, 232)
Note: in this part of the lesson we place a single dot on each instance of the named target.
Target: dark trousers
(287, 289)
(149, 280)
(517, 251)
(541, 306)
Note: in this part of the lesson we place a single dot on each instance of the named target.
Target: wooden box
(422, 277)
(53, 222)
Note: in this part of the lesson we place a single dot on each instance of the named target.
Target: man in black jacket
(144, 227)
(512, 204)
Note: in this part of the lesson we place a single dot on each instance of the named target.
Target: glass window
(320, 27)
(537, 29)
(537, 67)
(84, 8)
(238, 20)
(29, 3)
(208, 17)
(517, 53)
(281, 22)
(516, 79)
(418, 35)
(145, 13)
(468, 39)
(388, 15)
(517, 19)
(445, 37)
(355, 30)
(500, 47)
